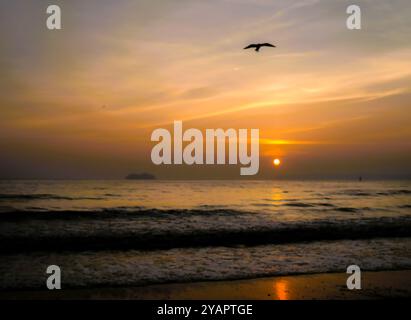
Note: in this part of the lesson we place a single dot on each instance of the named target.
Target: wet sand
(375, 285)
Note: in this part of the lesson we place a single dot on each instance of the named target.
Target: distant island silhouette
(140, 176)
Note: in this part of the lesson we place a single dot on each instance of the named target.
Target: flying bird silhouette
(257, 46)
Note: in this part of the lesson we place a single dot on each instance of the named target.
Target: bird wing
(268, 45)
(251, 46)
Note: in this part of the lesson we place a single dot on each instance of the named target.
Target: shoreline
(375, 285)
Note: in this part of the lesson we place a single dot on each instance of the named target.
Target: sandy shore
(375, 285)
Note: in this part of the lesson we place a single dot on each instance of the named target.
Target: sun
(276, 162)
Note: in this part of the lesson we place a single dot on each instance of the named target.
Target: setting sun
(276, 162)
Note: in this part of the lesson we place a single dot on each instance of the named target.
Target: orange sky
(83, 101)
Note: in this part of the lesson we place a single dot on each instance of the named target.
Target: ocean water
(126, 233)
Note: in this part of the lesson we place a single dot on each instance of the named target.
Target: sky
(82, 102)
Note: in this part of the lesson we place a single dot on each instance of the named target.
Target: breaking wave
(149, 229)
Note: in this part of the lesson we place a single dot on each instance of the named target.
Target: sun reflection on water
(281, 290)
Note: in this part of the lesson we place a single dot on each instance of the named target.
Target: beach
(375, 285)
(211, 150)
(205, 239)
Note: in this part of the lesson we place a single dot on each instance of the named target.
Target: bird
(257, 46)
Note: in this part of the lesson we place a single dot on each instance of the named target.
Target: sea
(124, 233)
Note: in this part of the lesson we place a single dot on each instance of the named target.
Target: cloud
(200, 93)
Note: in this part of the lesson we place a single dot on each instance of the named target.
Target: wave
(97, 269)
(32, 197)
(299, 204)
(149, 229)
(28, 197)
(9, 213)
(346, 209)
(394, 192)
(368, 193)
(115, 213)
